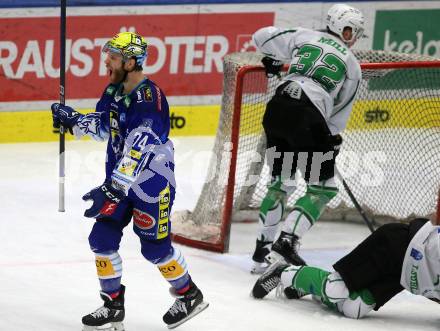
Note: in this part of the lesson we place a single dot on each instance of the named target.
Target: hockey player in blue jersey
(133, 116)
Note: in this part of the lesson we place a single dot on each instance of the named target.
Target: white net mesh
(390, 156)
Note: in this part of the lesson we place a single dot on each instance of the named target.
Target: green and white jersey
(321, 63)
(421, 265)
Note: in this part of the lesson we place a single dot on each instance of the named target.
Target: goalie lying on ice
(394, 257)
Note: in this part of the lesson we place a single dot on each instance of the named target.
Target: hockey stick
(355, 202)
(62, 101)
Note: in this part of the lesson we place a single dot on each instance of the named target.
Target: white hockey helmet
(341, 16)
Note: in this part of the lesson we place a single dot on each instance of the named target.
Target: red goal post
(392, 140)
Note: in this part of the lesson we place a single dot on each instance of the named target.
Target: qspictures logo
(408, 31)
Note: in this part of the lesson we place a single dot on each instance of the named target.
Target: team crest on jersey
(148, 95)
(143, 220)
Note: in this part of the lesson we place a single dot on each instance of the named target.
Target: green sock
(310, 280)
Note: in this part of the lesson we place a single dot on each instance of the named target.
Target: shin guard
(109, 269)
(175, 270)
(272, 210)
(308, 209)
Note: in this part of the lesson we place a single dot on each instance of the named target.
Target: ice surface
(48, 278)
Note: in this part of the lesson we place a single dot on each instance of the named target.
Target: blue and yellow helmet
(129, 45)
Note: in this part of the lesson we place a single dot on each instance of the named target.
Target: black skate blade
(115, 326)
(200, 307)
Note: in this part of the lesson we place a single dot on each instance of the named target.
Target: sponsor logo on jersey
(416, 255)
(110, 90)
(127, 166)
(164, 203)
(114, 126)
(159, 99)
(414, 282)
(143, 220)
(139, 95)
(127, 101)
(135, 154)
(147, 234)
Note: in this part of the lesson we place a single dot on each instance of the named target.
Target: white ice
(48, 278)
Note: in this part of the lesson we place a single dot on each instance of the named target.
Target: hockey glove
(105, 201)
(64, 115)
(272, 67)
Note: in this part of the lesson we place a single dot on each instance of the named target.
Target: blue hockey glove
(272, 67)
(64, 115)
(105, 201)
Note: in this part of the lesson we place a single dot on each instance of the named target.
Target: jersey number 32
(327, 69)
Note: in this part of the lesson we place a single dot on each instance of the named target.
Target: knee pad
(174, 269)
(335, 289)
(312, 204)
(156, 250)
(356, 306)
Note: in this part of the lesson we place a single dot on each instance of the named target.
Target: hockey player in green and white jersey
(396, 256)
(302, 123)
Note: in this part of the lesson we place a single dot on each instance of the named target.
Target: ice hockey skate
(109, 317)
(269, 280)
(185, 307)
(262, 249)
(285, 249)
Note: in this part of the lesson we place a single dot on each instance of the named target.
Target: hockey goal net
(390, 157)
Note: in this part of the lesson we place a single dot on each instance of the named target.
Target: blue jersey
(137, 126)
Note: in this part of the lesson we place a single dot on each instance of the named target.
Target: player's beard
(117, 75)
